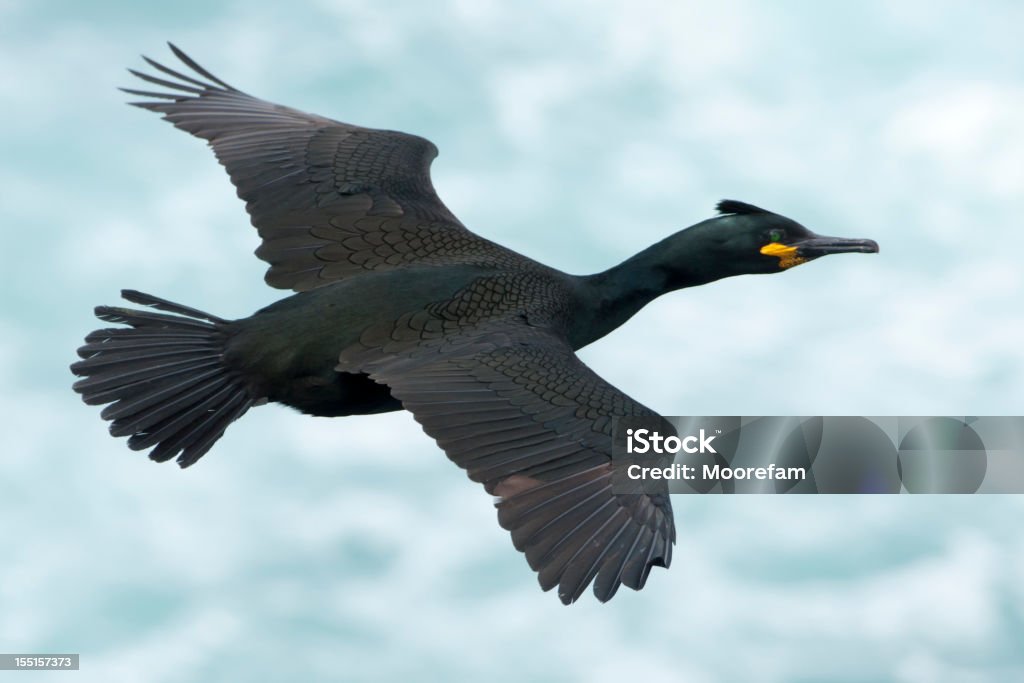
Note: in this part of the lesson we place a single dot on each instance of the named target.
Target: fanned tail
(164, 377)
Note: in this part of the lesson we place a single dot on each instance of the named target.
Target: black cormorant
(398, 305)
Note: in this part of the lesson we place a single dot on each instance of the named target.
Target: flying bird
(397, 305)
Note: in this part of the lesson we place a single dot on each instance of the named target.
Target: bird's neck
(610, 298)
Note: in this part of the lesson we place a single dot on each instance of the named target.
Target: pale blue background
(577, 132)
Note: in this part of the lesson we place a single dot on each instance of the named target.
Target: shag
(399, 306)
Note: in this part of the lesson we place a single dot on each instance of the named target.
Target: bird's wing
(513, 406)
(329, 199)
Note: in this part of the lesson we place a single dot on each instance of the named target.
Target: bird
(396, 305)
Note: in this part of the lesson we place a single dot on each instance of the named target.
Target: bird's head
(748, 239)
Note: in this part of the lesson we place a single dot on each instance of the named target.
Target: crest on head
(731, 206)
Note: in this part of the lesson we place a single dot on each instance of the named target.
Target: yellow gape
(787, 255)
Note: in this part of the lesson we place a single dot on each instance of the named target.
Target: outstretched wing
(329, 199)
(513, 406)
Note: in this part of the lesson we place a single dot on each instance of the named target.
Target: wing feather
(515, 408)
(329, 199)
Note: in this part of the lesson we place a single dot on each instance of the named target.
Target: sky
(577, 133)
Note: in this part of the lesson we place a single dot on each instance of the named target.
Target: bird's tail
(164, 377)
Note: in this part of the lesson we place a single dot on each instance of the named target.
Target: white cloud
(323, 540)
(966, 132)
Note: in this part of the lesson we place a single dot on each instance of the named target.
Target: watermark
(818, 455)
(38, 662)
(714, 472)
(649, 440)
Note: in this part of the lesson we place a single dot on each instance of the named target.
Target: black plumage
(398, 305)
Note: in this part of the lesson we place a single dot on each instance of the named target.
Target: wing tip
(191, 87)
(528, 513)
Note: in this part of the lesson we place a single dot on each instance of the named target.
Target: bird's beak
(817, 245)
(810, 248)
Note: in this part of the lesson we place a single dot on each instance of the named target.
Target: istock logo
(647, 441)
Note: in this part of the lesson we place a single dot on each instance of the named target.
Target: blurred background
(577, 132)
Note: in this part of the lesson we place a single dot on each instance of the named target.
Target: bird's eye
(775, 235)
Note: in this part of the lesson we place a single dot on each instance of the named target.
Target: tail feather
(134, 374)
(129, 419)
(137, 318)
(108, 333)
(140, 342)
(194, 440)
(168, 396)
(137, 297)
(164, 377)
